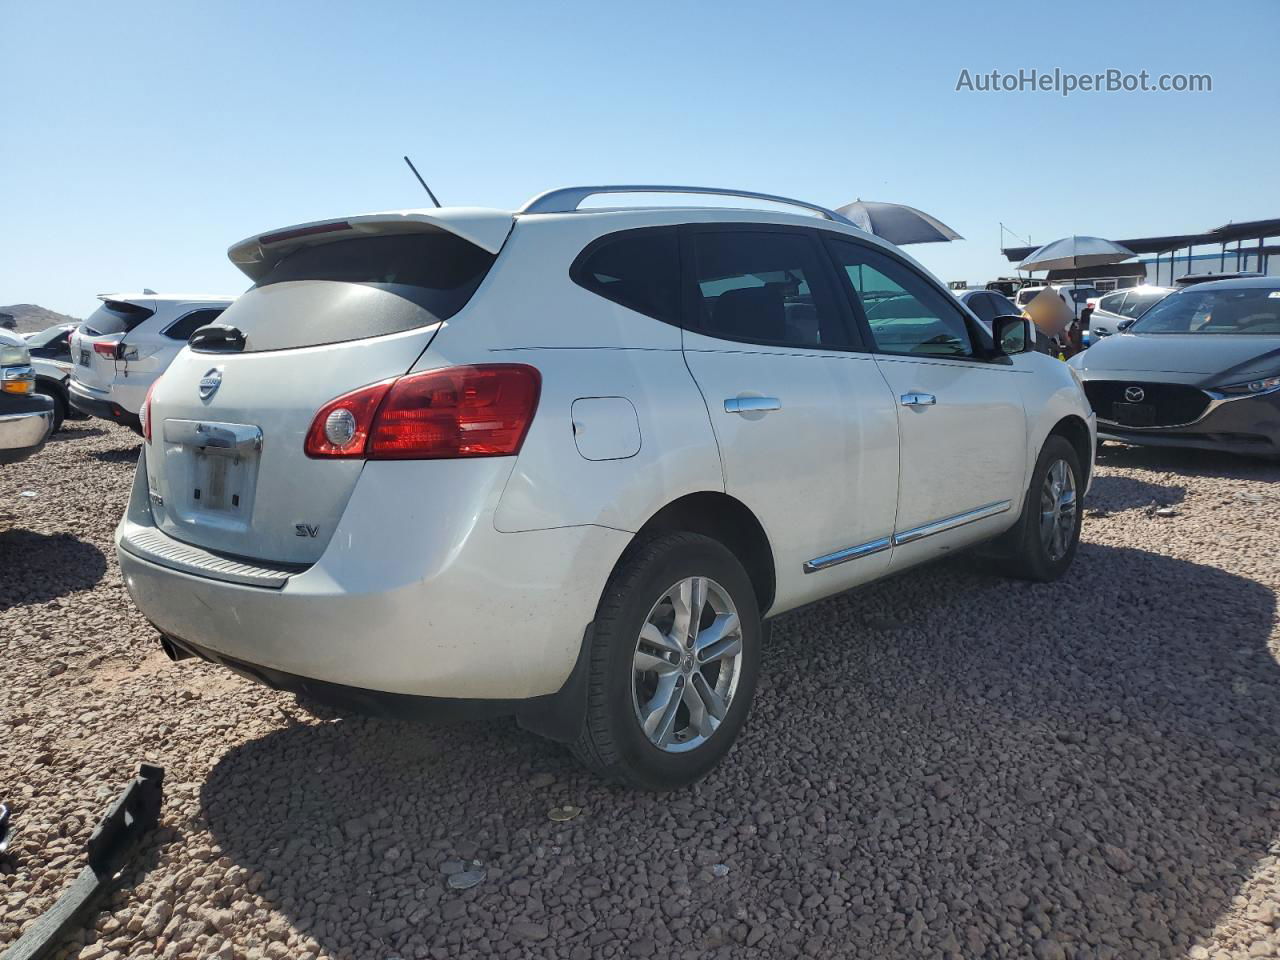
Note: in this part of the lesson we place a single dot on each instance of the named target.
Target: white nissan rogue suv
(562, 463)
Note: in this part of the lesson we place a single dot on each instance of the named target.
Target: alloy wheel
(686, 666)
(1058, 510)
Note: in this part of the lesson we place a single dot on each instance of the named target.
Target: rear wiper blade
(217, 338)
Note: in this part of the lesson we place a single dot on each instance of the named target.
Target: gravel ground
(947, 764)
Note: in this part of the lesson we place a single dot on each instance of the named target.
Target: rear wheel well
(726, 520)
(1076, 432)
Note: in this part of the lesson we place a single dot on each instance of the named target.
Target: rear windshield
(1231, 310)
(1027, 294)
(1082, 294)
(115, 316)
(443, 270)
(379, 285)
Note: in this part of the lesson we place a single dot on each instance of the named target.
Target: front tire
(675, 655)
(1044, 541)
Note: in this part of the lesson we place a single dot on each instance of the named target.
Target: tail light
(105, 349)
(475, 411)
(144, 414)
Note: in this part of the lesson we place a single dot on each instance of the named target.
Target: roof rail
(568, 199)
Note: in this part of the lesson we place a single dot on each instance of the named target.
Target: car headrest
(756, 313)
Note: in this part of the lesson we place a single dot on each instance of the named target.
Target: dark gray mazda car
(1201, 368)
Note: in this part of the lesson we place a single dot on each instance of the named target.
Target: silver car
(1115, 308)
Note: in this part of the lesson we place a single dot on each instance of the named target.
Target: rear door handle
(751, 404)
(917, 399)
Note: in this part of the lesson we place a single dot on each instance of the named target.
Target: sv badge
(305, 530)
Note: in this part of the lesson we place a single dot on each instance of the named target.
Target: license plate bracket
(1134, 414)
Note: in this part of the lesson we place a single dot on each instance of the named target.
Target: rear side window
(639, 269)
(115, 316)
(764, 287)
(184, 327)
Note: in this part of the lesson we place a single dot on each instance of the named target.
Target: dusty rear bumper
(432, 604)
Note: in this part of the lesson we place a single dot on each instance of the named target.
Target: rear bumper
(437, 606)
(102, 406)
(25, 424)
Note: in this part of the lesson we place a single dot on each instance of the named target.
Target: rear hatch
(95, 342)
(335, 307)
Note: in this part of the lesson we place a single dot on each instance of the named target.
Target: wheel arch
(727, 520)
(1076, 432)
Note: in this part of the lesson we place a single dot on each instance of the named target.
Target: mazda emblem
(1134, 394)
(212, 380)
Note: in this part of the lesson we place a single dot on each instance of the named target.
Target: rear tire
(1043, 543)
(655, 685)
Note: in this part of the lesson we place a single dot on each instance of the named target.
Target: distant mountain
(31, 318)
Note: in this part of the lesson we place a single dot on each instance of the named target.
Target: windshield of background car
(1027, 294)
(1082, 294)
(1237, 311)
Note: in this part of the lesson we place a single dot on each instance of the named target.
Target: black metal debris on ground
(130, 818)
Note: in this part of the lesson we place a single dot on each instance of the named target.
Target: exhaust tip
(172, 650)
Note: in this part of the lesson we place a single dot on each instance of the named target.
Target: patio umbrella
(897, 223)
(1071, 252)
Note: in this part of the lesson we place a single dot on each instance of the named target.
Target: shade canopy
(1072, 252)
(897, 222)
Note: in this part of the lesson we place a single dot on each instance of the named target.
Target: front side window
(639, 269)
(764, 287)
(906, 314)
(1239, 310)
(1139, 303)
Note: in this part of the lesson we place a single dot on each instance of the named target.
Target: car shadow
(69, 432)
(118, 454)
(946, 763)
(1111, 493)
(37, 567)
(1196, 463)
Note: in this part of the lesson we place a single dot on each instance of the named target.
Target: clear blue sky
(141, 139)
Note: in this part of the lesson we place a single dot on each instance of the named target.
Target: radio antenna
(421, 181)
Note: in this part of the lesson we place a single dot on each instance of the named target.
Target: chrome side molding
(847, 554)
(950, 523)
(906, 536)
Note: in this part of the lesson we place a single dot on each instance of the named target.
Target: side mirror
(1125, 324)
(1013, 335)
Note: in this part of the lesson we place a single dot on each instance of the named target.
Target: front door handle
(917, 399)
(751, 404)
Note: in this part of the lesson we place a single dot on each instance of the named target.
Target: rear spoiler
(487, 229)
